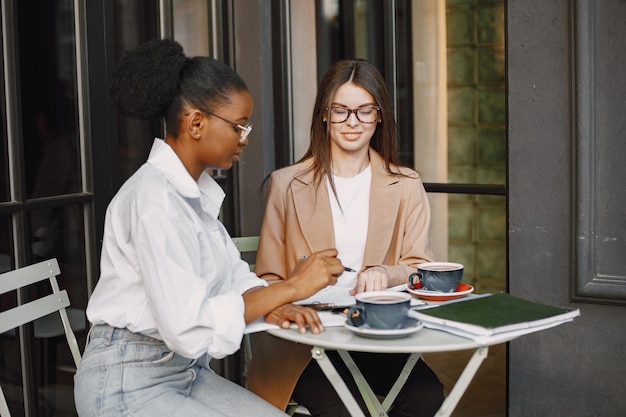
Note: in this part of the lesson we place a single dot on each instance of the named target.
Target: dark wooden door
(567, 202)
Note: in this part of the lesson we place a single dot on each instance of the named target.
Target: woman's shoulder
(404, 171)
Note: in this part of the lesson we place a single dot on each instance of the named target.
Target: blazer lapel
(313, 212)
(384, 206)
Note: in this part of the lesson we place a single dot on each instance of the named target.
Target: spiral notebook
(495, 316)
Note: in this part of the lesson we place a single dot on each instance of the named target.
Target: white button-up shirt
(169, 269)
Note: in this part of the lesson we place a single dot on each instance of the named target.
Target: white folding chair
(33, 310)
(246, 245)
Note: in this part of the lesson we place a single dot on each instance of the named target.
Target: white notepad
(328, 320)
(333, 294)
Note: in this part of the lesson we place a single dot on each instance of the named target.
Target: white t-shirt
(169, 269)
(350, 220)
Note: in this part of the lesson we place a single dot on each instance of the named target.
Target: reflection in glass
(4, 151)
(48, 92)
(6, 249)
(56, 232)
(135, 22)
(191, 26)
(4, 160)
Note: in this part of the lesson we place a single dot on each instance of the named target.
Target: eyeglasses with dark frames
(364, 114)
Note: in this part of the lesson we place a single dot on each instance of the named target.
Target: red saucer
(461, 291)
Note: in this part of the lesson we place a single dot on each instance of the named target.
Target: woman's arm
(318, 271)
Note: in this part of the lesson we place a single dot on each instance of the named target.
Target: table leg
(406, 371)
(375, 408)
(451, 401)
(319, 354)
(371, 401)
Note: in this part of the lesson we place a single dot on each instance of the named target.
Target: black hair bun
(145, 80)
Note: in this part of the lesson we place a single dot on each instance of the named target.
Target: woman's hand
(303, 317)
(314, 272)
(372, 279)
(310, 275)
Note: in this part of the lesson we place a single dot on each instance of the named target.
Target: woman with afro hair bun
(173, 292)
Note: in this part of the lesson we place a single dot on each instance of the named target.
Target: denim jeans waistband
(111, 334)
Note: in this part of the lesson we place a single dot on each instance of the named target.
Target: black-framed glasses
(364, 114)
(244, 131)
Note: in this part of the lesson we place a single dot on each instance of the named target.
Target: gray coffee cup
(380, 310)
(437, 276)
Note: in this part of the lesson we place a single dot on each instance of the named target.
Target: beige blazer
(298, 221)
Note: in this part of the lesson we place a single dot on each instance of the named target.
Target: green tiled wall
(477, 139)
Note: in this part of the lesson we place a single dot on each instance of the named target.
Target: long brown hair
(385, 139)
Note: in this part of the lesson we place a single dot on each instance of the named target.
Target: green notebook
(494, 314)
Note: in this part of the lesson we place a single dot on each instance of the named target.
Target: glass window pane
(6, 247)
(476, 237)
(476, 93)
(48, 92)
(4, 168)
(4, 142)
(459, 92)
(57, 232)
(191, 26)
(136, 22)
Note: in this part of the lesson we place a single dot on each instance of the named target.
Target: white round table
(422, 341)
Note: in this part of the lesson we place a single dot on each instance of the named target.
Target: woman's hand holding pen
(314, 272)
(311, 274)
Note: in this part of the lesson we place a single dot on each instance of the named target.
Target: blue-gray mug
(437, 276)
(380, 310)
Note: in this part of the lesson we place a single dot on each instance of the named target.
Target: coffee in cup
(384, 310)
(437, 276)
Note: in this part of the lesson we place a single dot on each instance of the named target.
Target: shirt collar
(209, 192)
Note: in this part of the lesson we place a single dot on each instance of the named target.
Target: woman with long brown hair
(350, 192)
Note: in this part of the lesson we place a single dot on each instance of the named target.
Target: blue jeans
(128, 374)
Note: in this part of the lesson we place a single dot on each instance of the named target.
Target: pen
(346, 269)
(326, 307)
